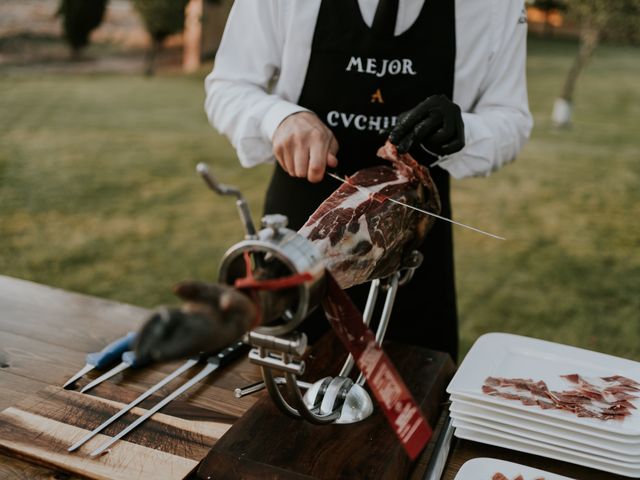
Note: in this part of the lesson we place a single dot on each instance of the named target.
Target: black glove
(436, 124)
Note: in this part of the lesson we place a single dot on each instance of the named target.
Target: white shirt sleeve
(499, 123)
(238, 102)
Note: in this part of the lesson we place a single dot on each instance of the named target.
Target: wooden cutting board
(168, 446)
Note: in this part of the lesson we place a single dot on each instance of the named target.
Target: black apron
(357, 84)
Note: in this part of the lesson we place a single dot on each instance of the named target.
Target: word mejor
(381, 67)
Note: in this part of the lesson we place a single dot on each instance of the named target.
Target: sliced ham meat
(605, 398)
(360, 234)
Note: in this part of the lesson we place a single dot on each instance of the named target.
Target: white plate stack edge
(608, 445)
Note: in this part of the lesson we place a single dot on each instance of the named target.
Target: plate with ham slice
(596, 391)
(494, 469)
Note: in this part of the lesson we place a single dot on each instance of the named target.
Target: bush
(79, 18)
(161, 18)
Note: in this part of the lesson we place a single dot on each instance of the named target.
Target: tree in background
(613, 19)
(79, 18)
(161, 18)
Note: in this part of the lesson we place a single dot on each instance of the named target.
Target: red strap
(274, 283)
(393, 396)
(252, 284)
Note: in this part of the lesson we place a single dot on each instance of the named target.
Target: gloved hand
(436, 124)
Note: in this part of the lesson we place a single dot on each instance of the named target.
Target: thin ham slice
(605, 398)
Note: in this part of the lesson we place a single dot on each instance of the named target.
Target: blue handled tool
(105, 357)
(129, 359)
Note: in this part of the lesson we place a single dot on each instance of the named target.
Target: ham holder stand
(331, 399)
(278, 348)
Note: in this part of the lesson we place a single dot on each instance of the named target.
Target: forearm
(498, 123)
(493, 139)
(238, 101)
(247, 115)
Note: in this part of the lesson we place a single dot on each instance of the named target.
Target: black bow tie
(384, 21)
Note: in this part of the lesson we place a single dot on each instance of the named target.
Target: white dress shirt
(262, 61)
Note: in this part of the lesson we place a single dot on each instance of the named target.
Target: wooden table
(45, 334)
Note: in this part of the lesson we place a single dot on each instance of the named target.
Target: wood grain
(265, 443)
(77, 322)
(42, 427)
(45, 334)
(16, 469)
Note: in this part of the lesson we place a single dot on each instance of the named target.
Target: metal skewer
(258, 386)
(213, 363)
(179, 371)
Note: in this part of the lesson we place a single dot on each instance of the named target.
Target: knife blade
(440, 217)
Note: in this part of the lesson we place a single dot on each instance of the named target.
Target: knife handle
(229, 354)
(111, 353)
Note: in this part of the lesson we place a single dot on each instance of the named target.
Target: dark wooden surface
(167, 446)
(264, 443)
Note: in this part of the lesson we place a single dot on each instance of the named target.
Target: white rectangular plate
(485, 468)
(633, 443)
(512, 356)
(606, 455)
(534, 448)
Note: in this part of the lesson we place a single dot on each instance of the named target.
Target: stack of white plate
(607, 445)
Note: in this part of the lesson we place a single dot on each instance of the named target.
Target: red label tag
(383, 379)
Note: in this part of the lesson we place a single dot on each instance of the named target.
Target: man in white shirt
(312, 83)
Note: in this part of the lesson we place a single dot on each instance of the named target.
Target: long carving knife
(214, 362)
(179, 371)
(440, 217)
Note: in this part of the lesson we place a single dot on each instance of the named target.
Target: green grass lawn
(98, 194)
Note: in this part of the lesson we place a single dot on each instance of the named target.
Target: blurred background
(102, 124)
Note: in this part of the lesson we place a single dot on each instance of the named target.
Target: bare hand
(304, 146)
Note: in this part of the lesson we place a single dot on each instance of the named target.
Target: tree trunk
(75, 53)
(192, 36)
(562, 109)
(589, 39)
(152, 53)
